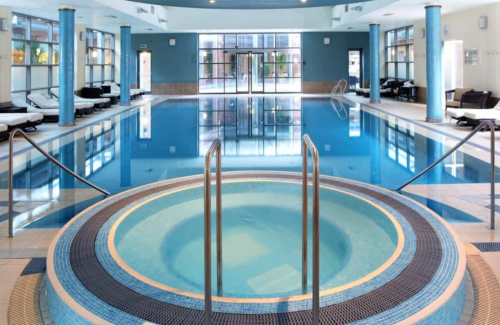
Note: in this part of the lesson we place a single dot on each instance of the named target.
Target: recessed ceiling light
(211, 1)
(389, 14)
(351, 27)
(303, 1)
(150, 29)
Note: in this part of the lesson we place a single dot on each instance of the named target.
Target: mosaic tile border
(444, 275)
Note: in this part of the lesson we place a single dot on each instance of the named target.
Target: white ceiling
(93, 14)
(96, 14)
(406, 12)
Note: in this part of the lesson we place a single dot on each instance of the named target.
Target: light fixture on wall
(422, 33)
(326, 40)
(483, 22)
(4, 24)
(171, 42)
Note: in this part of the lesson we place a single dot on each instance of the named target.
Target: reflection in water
(251, 126)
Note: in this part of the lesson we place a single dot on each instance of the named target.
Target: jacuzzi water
(262, 238)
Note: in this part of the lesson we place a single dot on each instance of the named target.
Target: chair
(45, 103)
(456, 97)
(98, 103)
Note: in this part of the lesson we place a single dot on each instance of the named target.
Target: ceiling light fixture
(211, 1)
(388, 14)
(141, 10)
(303, 1)
(110, 16)
(357, 8)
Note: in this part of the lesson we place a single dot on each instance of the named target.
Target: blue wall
(330, 62)
(323, 62)
(169, 62)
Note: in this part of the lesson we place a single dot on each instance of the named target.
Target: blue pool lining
(81, 220)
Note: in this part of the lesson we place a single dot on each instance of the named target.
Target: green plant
(280, 60)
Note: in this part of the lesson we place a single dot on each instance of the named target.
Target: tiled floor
(28, 243)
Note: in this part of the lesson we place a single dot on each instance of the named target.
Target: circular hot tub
(162, 240)
(138, 256)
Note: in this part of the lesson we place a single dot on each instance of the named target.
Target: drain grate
(35, 266)
(488, 247)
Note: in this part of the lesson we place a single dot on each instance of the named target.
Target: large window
(399, 54)
(244, 63)
(100, 58)
(35, 55)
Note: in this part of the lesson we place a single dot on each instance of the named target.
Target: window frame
(89, 62)
(395, 60)
(28, 59)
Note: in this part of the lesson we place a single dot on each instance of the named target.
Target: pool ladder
(49, 157)
(307, 145)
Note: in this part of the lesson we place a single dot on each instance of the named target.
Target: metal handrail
(11, 172)
(307, 145)
(216, 145)
(492, 162)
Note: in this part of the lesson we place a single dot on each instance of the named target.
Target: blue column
(375, 63)
(125, 66)
(433, 55)
(66, 66)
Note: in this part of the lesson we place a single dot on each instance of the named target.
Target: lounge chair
(134, 93)
(474, 117)
(33, 119)
(42, 102)
(15, 121)
(4, 132)
(456, 100)
(478, 101)
(98, 103)
(49, 114)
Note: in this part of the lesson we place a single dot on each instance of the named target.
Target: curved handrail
(216, 146)
(307, 144)
(49, 157)
(462, 142)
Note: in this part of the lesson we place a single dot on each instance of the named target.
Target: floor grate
(488, 247)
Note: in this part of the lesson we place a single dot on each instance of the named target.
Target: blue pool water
(261, 229)
(169, 140)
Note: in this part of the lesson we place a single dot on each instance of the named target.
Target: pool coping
(450, 290)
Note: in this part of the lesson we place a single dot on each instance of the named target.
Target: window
(100, 61)
(399, 53)
(269, 63)
(35, 55)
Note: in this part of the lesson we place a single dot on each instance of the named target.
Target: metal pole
(315, 237)
(208, 240)
(304, 217)
(11, 183)
(219, 221)
(49, 157)
(492, 153)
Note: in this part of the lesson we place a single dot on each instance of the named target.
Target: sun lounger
(45, 103)
(98, 103)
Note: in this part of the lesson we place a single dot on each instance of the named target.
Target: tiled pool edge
(386, 192)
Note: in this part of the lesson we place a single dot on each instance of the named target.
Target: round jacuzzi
(139, 256)
(162, 239)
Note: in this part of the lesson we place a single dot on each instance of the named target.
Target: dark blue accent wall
(169, 63)
(330, 62)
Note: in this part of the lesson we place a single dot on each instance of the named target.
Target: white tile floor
(30, 243)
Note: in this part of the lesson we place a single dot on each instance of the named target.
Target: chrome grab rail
(492, 162)
(216, 145)
(307, 145)
(49, 157)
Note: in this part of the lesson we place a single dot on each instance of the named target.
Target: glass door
(355, 70)
(257, 72)
(144, 70)
(243, 71)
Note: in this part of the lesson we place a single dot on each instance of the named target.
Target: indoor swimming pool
(169, 139)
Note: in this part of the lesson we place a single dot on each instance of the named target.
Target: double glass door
(250, 72)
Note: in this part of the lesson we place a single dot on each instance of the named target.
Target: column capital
(375, 24)
(66, 8)
(125, 26)
(433, 5)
